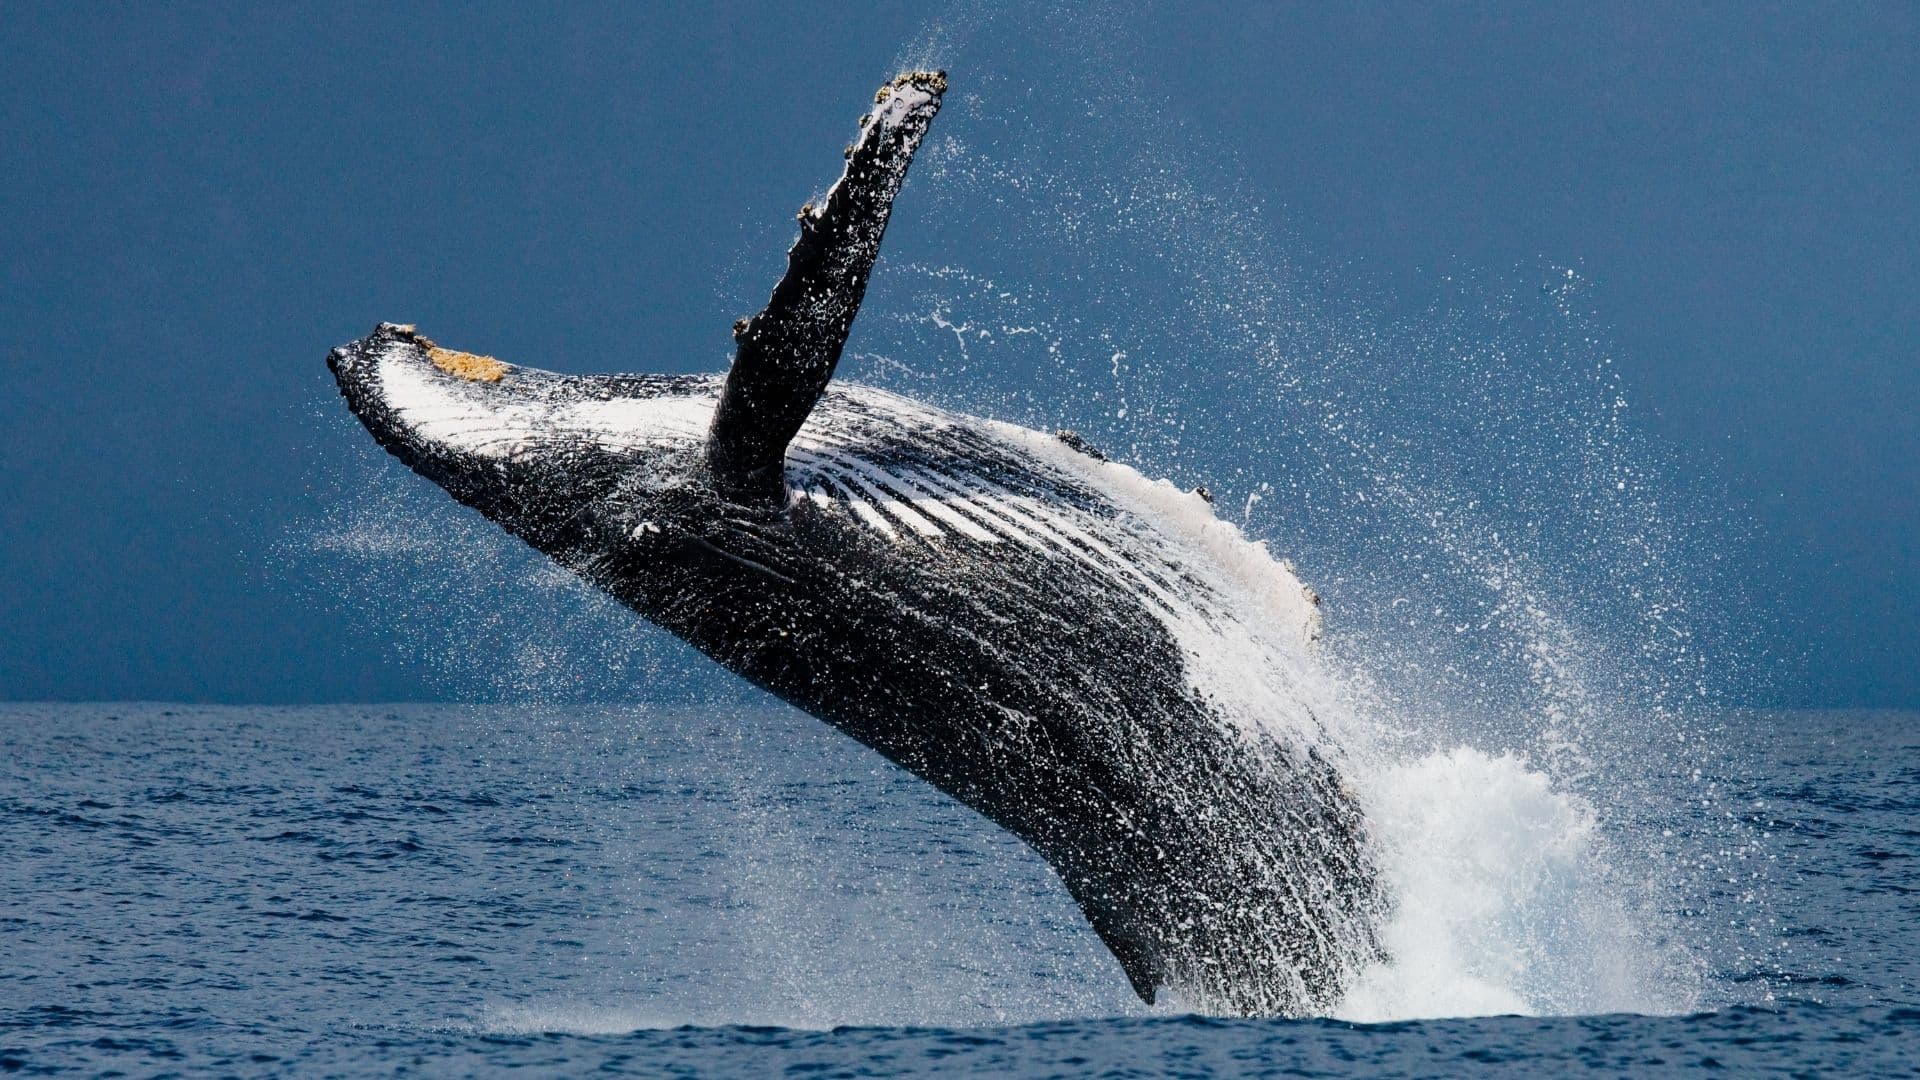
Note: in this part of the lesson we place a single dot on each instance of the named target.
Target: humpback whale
(1039, 632)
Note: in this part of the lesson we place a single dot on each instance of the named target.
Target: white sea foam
(1503, 899)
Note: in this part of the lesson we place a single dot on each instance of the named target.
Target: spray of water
(491, 617)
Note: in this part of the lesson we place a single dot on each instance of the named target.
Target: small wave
(587, 1018)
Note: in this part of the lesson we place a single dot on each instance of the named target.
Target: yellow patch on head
(467, 365)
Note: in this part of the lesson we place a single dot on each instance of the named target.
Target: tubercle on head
(405, 332)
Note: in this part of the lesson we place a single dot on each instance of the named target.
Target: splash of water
(1505, 903)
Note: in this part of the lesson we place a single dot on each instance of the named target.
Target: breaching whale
(1038, 632)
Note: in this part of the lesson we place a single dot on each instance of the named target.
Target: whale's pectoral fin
(786, 354)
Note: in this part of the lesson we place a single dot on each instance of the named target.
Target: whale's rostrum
(1032, 629)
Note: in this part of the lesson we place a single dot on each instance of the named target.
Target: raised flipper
(786, 354)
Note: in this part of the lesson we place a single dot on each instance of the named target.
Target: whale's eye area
(470, 366)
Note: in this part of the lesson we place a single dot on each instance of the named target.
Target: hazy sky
(199, 202)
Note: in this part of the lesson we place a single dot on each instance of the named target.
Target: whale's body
(1002, 612)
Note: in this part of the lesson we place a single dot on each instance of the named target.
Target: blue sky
(201, 201)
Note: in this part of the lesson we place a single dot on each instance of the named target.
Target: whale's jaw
(531, 449)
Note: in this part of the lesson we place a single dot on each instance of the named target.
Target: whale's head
(536, 451)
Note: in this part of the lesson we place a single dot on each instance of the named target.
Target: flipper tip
(931, 82)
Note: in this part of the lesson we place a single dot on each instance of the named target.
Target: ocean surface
(738, 890)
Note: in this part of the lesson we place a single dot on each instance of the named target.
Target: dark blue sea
(738, 890)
